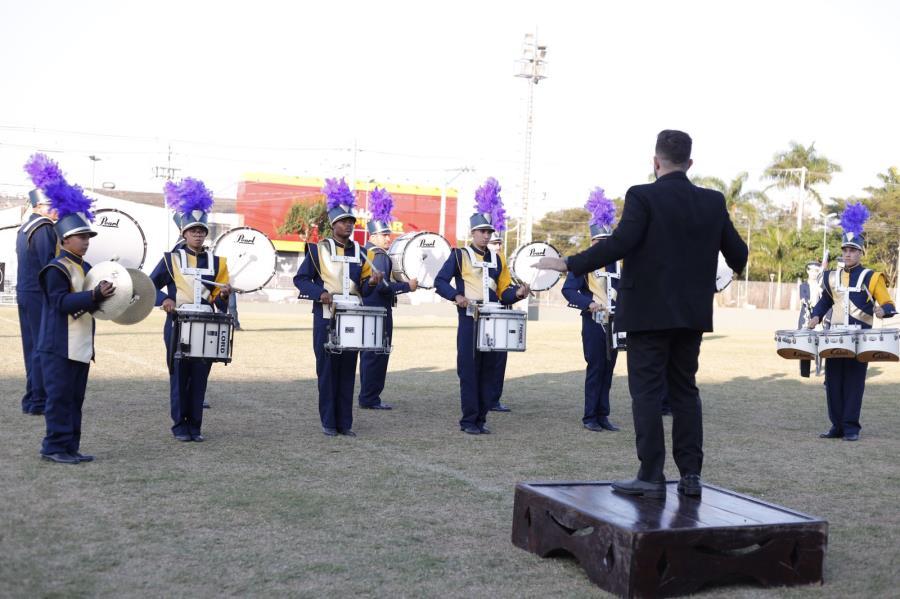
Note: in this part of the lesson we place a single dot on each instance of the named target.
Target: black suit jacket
(669, 237)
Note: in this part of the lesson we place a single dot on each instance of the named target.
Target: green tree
(749, 202)
(300, 218)
(819, 169)
(773, 251)
(566, 230)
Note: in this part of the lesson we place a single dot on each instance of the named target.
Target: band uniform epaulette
(31, 226)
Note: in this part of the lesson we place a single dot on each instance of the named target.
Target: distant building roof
(226, 205)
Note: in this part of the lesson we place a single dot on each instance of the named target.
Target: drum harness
(606, 317)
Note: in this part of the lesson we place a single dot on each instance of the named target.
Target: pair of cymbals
(133, 299)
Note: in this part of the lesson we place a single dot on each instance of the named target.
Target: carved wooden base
(637, 547)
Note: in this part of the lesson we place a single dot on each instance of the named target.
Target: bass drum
(522, 266)
(119, 239)
(418, 256)
(250, 257)
(724, 274)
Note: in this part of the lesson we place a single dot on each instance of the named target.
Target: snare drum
(500, 329)
(797, 345)
(203, 336)
(358, 328)
(838, 342)
(878, 345)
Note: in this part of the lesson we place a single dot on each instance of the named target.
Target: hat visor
(343, 217)
(851, 244)
(79, 231)
(195, 224)
(483, 227)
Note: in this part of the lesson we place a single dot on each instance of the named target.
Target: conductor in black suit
(669, 238)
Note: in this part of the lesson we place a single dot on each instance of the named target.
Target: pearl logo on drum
(427, 244)
(246, 240)
(537, 253)
(108, 222)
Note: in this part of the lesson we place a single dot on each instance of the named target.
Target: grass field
(411, 507)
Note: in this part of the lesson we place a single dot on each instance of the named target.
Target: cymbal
(118, 275)
(142, 300)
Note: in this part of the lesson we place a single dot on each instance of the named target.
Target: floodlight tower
(533, 67)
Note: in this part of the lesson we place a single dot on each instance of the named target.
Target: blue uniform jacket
(452, 271)
(577, 292)
(162, 279)
(861, 301)
(387, 290)
(35, 248)
(309, 281)
(60, 302)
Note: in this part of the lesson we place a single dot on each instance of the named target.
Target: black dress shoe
(470, 430)
(484, 430)
(641, 487)
(690, 485)
(198, 438)
(329, 432)
(82, 457)
(378, 406)
(59, 458)
(347, 433)
(183, 438)
(206, 405)
(606, 424)
(851, 437)
(499, 408)
(594, 426)
(831, 434)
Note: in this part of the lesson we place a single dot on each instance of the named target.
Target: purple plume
(381, 204)
(854, 217)
(188, 195)
(69, 199)
(337, 193)
(43, 171)
(603, 211)
(487, 201)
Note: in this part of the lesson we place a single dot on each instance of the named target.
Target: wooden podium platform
(638, 547)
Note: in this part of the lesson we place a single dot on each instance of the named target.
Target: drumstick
(215, 284)
(252, 258)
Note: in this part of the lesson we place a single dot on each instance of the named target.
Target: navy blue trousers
(30, 305)
(66, 381)
(187, 389)
(599, 372)
(373, 370)
(499, 375)
(337, 376)
(477, 373)
(845, 383)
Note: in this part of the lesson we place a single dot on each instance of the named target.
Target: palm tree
(818, 169)
(775, 250)
(737, 200)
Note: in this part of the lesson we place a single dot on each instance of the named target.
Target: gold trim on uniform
(81, 329)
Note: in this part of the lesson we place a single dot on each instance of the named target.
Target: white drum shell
(418, 256)
(119, 237)
(204, 335)
(878, 345)
(724, 274)
(501, 330)
(521, 266)
(802, 344)
(838, 343)
(250, 256)
(358, 328)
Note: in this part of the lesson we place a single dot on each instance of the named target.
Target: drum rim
(413, 235)
(274, 249)
(136, 224)
(512, 263)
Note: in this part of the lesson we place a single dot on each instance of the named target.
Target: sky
(423, 89)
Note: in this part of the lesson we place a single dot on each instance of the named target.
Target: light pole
(825, 235)
(94, 161)
(443, 219)
(771, 284)
(802, 171)
(532, 67)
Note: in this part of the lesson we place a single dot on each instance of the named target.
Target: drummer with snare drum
(331, 275)
(176, 276)
(858, 296)
(595, 295)
(496, 246)
(470, 277)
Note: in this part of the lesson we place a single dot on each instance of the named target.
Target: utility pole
(533, 67)
(801, 200)
(168, 173)
(94, 160)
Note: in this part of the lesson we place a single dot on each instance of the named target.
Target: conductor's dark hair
(674, 146)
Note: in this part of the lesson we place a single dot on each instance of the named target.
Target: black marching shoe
(347, 432)
(183, 438)
(59, 458)
(690, 485)
(640, 487)
(378, 406)
(831, 434)
(500, 408)
(206, 405)
(329, 432)
(198, 438)
(470, 430)
(82, 457)
(594, 426)
(484, 430)
(851, 437)
(606, 424)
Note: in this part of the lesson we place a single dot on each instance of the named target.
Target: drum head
(250, 255)
(724, 274)
(119, 238)
(115, 273)
(523, 269)
(423, 256)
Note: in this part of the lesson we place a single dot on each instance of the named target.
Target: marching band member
(496, 245)
(372, 365)
(858, 295)
(465, 268)
(595, 293)
(36, 244)
(188, 377)
(319, 278)
(66, 340)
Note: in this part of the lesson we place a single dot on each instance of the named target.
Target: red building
(265, 199)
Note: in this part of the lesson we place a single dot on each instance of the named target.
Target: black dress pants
(661, 361)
